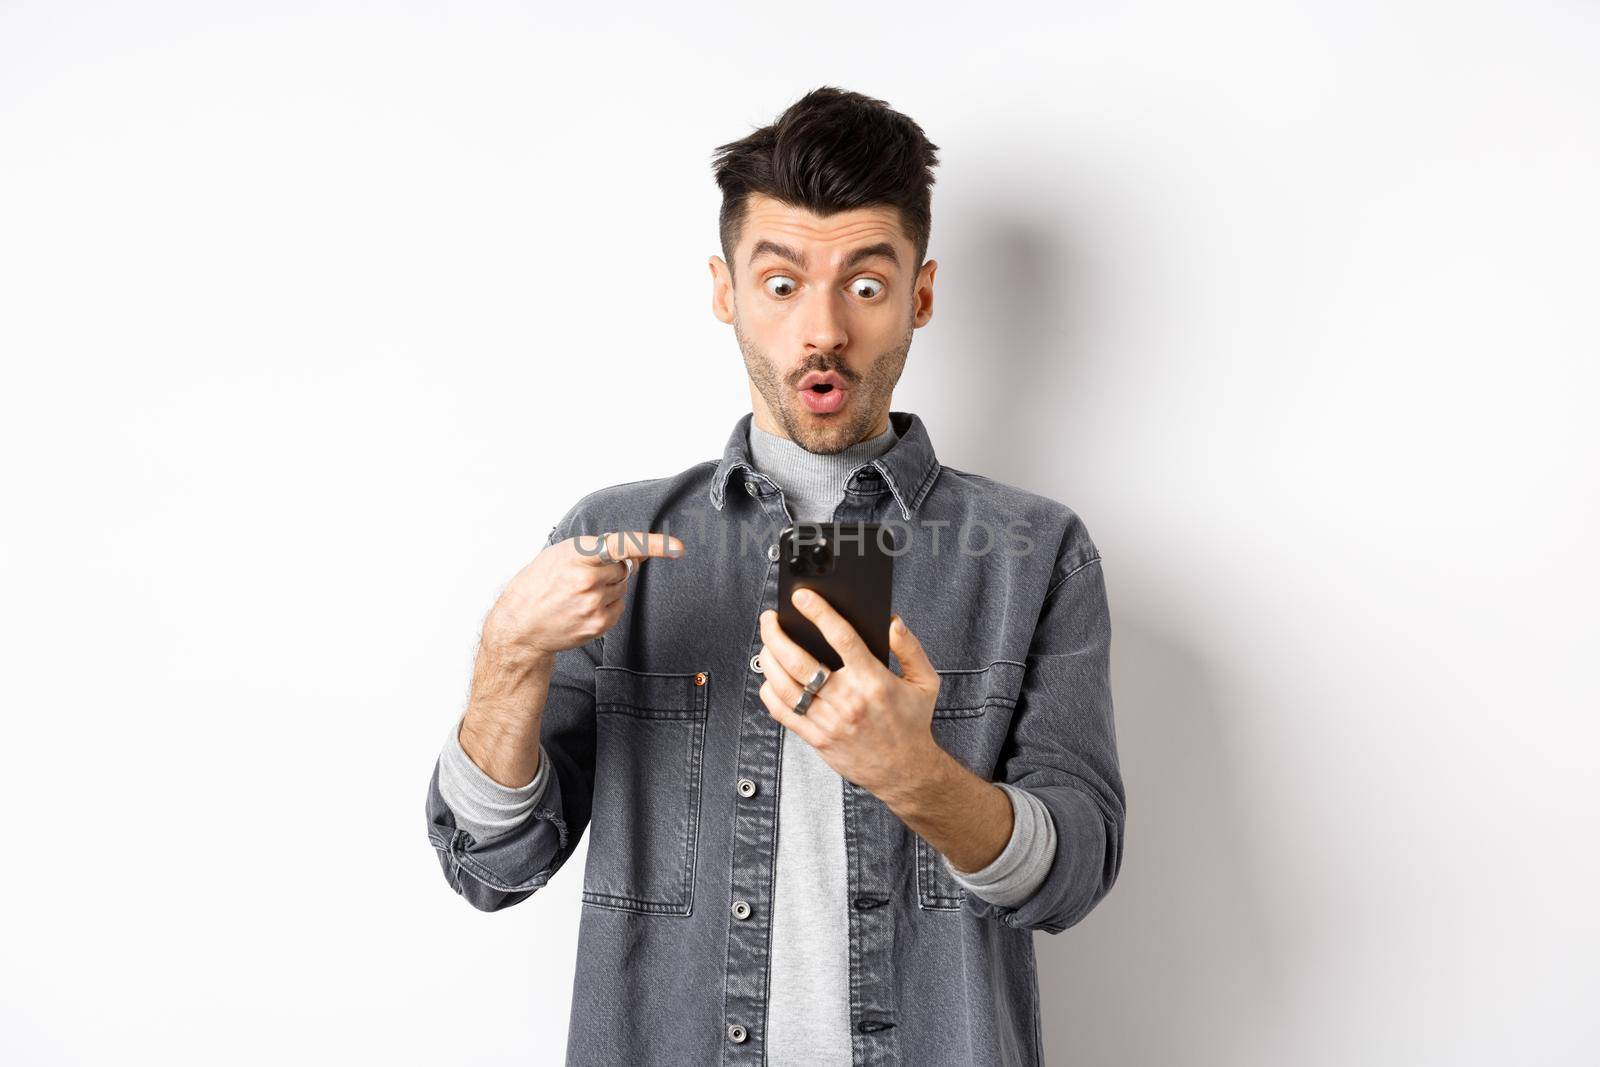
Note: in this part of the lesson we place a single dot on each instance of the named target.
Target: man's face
(827, 302)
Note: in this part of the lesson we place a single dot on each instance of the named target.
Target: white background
(316, 316)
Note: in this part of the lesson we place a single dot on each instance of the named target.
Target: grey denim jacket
(663, 750)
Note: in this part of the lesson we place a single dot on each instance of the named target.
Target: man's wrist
(914, 793)
(510, 659)
(963, 816)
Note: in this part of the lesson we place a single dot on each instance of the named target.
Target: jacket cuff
(482, 806)
(1087, 858)
(1024, 863)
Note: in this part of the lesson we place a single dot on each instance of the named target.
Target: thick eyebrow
(782, 251)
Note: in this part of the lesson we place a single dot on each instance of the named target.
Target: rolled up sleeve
(526, 835)
(482, 806)
(1062, 751)
(1024, 863)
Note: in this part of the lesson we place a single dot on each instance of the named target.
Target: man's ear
(922, 309)
(722, 295)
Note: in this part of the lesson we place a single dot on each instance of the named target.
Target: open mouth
(824, 398)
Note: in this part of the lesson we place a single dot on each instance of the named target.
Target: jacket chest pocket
(970, 718)
(650, 733)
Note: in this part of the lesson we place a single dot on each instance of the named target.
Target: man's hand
(876, 729)
(871, 725)
(569, 594)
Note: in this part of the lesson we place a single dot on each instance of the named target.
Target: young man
(788, 865)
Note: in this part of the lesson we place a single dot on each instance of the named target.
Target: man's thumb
(915, 667)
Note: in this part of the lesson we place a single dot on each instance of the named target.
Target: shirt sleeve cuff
(482, 806)
(1024, 863)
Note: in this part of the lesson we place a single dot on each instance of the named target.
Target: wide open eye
(872, 286)
(786, 282)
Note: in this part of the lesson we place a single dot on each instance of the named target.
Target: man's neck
(813, 482)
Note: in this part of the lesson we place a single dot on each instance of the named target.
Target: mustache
(850, 376)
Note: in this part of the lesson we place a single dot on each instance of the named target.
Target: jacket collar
(909, 466)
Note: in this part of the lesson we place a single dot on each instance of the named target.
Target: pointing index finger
(628, 544)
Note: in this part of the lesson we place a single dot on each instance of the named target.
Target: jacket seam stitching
(1068, 576)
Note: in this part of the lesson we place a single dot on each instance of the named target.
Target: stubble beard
(870, 394)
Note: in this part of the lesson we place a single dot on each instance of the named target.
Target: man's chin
(822, 434)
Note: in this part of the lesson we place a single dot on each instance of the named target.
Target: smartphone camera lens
(813, 558)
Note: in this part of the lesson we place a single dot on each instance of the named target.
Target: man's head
(825, 222)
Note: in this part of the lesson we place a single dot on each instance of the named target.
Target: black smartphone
(850, 567)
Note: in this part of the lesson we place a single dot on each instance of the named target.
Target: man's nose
(823, 325)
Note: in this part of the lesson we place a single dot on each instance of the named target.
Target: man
(788, 865)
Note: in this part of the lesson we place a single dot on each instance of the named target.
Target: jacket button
(737, 1034)
(747, 788)
(750, 487)
(772, 553)
(755, 663)
(700, 678)
(741, 909)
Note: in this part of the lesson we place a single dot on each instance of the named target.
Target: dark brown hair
(831, 151)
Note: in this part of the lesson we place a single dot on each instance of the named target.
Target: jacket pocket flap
(651, 694)
(965, 693)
